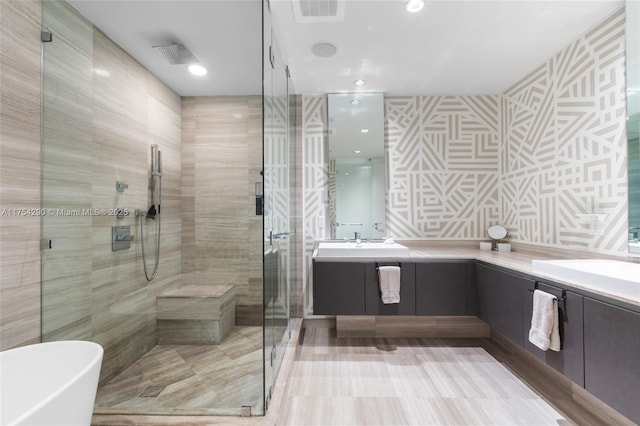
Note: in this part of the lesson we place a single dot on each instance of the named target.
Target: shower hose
(144, 258)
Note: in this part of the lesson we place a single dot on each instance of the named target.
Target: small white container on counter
(504, 247)
(484, 246)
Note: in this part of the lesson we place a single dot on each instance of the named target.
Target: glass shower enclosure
(207, 334)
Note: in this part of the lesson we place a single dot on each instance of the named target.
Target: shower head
(151, 213)
(176, 54)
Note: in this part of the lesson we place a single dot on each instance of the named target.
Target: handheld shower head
(151, 213)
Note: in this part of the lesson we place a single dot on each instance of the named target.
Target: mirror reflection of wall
(360, 196)
(633, 140)
(633, 120)
(357, 167)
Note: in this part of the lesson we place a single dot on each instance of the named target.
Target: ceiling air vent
(318, 11)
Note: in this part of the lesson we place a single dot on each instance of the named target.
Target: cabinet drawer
(445, 288)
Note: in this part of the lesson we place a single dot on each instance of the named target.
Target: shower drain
(152, 391)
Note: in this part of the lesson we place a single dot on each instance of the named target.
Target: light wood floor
(197, 380)
(406, 382)
(378, 381)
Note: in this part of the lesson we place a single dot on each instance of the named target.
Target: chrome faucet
(358, 237)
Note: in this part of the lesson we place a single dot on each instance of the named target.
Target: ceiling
(450, 47)
(225, 37)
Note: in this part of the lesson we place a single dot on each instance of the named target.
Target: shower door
(101, 113)
(67, 151)
(277, 224)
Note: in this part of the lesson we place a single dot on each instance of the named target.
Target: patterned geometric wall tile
(315, 178)
(563, 145)
(443, 163)
(276, 171)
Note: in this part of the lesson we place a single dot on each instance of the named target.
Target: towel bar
(563, 310)
(563, 298)
(378, 266)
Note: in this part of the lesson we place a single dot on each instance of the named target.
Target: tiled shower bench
(195, 314)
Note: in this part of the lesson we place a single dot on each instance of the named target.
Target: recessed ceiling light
(198, 70)
(355, 102)
(359, 83)
(324, 49)
(364, 130)
(414, 6)
(357, 151)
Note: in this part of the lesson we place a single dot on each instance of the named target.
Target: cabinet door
(612, 356)
(445, 288)
(570, 360)
(338, 288)
(407, 305)
(501, 300)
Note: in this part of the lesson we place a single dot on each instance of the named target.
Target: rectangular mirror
(356, 165)
(633, 121)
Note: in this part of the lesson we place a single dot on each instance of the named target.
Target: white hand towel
(545, 330)
(389, 281)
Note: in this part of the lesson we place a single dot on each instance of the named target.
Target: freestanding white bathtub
(49, 384)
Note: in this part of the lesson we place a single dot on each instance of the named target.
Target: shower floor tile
(193, 379)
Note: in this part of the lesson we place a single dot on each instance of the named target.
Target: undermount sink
(362, 249)
(610, 276)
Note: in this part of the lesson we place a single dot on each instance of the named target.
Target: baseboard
(249, 315)
(411, 326)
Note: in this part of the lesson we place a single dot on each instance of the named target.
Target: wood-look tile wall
(101, 112)
(19, 172)
(221, 162)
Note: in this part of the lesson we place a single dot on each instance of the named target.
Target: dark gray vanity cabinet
(570, 360)
(612, 356)
(446, 287)
(338, 288)
(374, 305)
(501, 298)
